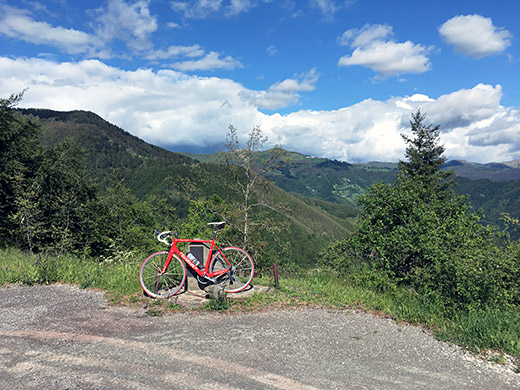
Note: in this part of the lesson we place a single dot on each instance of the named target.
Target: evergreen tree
(418, 232)
(424, 154)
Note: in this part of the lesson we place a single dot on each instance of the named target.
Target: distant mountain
(330, 180)
(493, 171)
(322, 178)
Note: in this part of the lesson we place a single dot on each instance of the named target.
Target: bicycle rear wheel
(241, 269)
(159, 285)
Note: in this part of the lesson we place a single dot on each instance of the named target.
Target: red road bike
(163, 274)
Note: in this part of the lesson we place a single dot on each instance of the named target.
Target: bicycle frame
(232, 272)
(202, 273)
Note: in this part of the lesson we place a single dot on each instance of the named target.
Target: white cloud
(173, 25)
(328, 8)
(271, 50)
(164, 107)
(238, 6)
(197, 9)
(210, 61)
(169, 108)
(365, 36)
(131, 23)
(283, 93)
(374, 48)
(475, 35)
(474, 126)
(465, 107)
(202, 9)
(175, 51)
(17, 24)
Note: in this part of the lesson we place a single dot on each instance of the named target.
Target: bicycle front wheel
(162, 285)
(240, 265)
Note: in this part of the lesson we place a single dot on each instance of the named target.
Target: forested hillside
(180, 189)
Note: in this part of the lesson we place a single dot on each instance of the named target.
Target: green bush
(418, 233)
(406, 237)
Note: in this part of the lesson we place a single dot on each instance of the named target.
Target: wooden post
(275, 275)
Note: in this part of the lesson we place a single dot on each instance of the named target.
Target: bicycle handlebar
(161, 236)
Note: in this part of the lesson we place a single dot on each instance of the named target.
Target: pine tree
(424, 154)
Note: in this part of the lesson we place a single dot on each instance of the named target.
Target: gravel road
(62, 337)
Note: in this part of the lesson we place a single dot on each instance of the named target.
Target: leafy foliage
(493, 198)
(418, 232)
(50, 202)
(19, 154)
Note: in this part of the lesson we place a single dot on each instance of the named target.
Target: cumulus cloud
(375, 48)
(18, 24)
(465, 107)
(170, 108)
(164, 107)
(475, 35)
(474, 126)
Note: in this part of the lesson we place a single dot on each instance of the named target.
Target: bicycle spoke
(239, 275)
(158, 284)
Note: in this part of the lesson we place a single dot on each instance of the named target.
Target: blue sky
(329, 78)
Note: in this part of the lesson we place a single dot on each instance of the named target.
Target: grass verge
(120, 279)
(479, 330)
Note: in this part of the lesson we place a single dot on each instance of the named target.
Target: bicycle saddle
(218, 225)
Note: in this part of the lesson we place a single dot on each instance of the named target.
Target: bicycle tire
(241, 273)
(158, 285)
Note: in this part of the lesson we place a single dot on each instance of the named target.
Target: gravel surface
(62, 337)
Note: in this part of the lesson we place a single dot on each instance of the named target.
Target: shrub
(418, 232)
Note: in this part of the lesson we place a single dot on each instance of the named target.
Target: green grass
(486, 328)
(118, 278)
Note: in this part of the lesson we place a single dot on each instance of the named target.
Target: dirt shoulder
(63, 337)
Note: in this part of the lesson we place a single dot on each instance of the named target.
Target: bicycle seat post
(218, 225)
